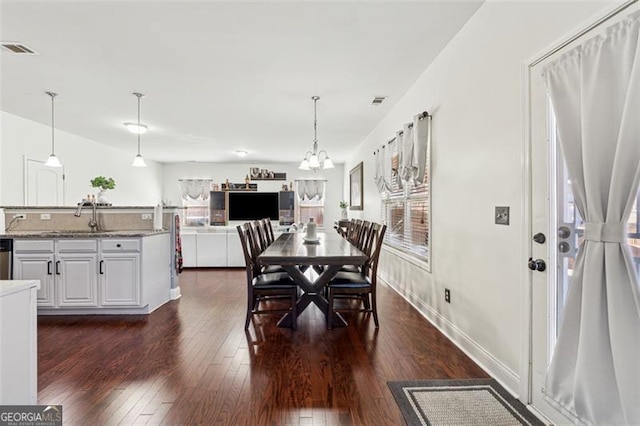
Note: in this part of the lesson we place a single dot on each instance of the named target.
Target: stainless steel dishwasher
(6, 254)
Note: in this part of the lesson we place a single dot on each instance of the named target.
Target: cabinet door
(211, 250)
(189, 251)
(235, 256)
(37, 267)
(120, 279)
(77, 279)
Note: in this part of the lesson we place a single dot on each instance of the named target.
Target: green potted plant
(104, 184)
(343, 206)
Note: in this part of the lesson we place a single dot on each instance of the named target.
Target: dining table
(325, 255)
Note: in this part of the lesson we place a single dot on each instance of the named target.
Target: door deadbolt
(537, 265)
(539, 238)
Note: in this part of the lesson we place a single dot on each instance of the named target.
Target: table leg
(313, 293)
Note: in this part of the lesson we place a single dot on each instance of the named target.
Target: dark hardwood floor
(191, 362)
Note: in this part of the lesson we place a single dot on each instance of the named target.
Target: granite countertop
(82, 234)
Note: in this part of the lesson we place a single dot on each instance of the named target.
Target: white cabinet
(211, 250)
(119, 272)
(235, 255)
(66, 270)
(130, 275)
(37, 266)
(189, 250)
(76, 279)
(18, 343)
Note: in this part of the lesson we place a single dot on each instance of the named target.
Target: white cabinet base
(18, 343)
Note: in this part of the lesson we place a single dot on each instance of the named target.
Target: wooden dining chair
(355, 231)
(268, 231)
(257, 231)
(259, 234)
(358, 285)
(265, 287)
(363, 244)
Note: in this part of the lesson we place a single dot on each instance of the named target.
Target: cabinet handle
(49, 263)
(101, 271)
(57, 267)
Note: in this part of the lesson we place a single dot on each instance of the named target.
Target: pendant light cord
(53, 140)
(315, 124)
(138, 95)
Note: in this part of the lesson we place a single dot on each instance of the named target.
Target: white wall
(82, 159)
(474, 89)
(236, 173)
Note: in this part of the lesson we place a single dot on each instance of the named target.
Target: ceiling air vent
(378, 100)
(17, 48)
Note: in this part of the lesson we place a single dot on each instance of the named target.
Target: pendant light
(138, 161)
(53, 161)
(314, 160)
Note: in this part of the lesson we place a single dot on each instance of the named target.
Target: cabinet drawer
(74, 246)
(33, 246)
(117, 245)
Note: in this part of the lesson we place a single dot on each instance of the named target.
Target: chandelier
(314, 160)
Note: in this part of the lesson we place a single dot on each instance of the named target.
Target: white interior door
(553, 215)
(44, 186)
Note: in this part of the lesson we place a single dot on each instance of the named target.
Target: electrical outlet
(20, 216)
(447, 295)
(45, 216)
(146, 216)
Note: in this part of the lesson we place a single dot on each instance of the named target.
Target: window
(407, 220)
(310, 195)
(406, 206)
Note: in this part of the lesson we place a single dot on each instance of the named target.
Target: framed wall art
(356, 201)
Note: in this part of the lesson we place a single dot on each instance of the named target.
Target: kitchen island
(109, 271)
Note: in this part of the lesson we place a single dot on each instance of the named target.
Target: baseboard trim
(175, 293)
(504, 375)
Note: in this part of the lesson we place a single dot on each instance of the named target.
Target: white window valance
(195, 189)
(310, 192)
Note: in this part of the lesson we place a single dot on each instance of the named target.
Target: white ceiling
(217, 76)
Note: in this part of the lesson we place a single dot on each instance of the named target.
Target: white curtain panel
(595, 93)
(406, 168)
(387, 151)
(396, 158)
(421, 143)
(378, 177)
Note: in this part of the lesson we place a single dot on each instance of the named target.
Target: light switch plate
(45, 216)
(146, 216)
(502, 215)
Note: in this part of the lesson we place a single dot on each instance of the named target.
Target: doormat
(459, 402)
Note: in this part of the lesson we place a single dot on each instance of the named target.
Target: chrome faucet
(93, 222)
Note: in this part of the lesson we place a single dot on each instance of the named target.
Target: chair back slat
(365, 231)
(255, 248)
(268, 231)
(245, 240)
(375, 246)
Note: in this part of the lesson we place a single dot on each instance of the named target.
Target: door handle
(101, 271)
(49, 264)
(57, 267)
(537, 265)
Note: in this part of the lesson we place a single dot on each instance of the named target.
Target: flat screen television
(253, 205)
